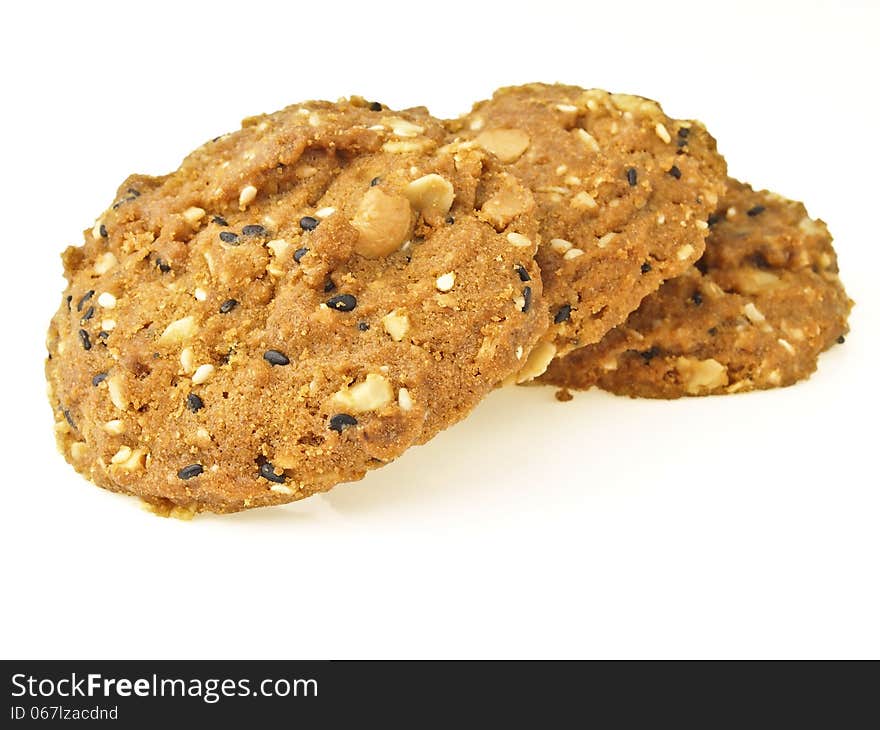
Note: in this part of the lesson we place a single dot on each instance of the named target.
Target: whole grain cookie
(754, 312)
(623, 193)
(301, 301)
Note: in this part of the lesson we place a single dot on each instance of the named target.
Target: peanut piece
(431, 195)
(383, 222)
(372, 393)
(507, 145)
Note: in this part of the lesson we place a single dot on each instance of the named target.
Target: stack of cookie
(306, 298)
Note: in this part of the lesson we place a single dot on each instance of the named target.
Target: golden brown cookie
(301, 301)
(623, 192)
(754, 312)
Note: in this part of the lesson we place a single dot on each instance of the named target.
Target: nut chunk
(383, 222)
(431, 195)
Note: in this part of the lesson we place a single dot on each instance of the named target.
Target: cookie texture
(301, 301)
(754, 312)
(623, 193)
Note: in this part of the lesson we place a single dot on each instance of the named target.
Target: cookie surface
(301, 301)
(755, 312)
(623, 193)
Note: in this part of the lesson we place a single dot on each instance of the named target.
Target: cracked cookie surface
(623, 195)
(301, 301)
(754, 312)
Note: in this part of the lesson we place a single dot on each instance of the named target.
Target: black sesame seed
(194, 403)
(562, 314)
(83, 299)
(163, 267)
(527, 297)
(68, 417)
(697, 298)
(253, 230)
(713, 219)
(682, 142)
(363, 326)
(219, 220)
(841, 340)
(69, 300)
(375, 106)
(308, 223)
(375, 181)
(188, 472)
(267, 471)
(84, 338)
(757, 210)
(98, 379)
(103, 231)
(274, 357)
(450, 220)
(712, 331)
(342, 302)
(90, 312)
(523, 274)
(342, 421)
(229, 237)
(646, 267)
(228, 306)
(135, 193)
(684, 132)
(675, 172)
(632, 177)
(649, 355)
(329, 286)
(103, 335)
(299, 253)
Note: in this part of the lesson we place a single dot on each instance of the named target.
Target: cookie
(301, 301)
(754, 312)
(623, 193)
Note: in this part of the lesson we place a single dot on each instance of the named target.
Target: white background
(742, 526)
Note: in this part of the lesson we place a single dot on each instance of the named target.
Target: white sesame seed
(105, 262)
(606, 239)
(587, 138)
(787, 345)
(572, 253)
(281, 489)
(193, 215)
(325, 212)
(114, 390)
(202, 374)
(566, 108)
(246, 196)
(684, 252)
(560, 245)
(114, 427)
(661, 219)
(519, 352)
(702, 225)
(200, 294)
(753, 314)
(96, 231)
(187, 359)
(122, 455)
(662, 132)
(106, 300)
(446, 281)
(518, 240)
(108, 325)
(404, 400)
(584, 200)
(562, 169)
